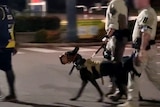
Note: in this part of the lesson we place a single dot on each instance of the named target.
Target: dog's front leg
(84, 83)
(99, 90)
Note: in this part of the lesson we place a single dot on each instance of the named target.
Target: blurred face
(140, 4)
(137, 4)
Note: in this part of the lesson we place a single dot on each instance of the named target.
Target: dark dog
(106, 68)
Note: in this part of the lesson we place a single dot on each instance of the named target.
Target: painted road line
(20, 53)
(41, 50)
(157, 62)
(87, 50)
(80, 49)
(67, 48)
(158, 54)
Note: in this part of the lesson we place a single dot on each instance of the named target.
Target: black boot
(123, 91)
(116, 97)
(140, 97)
(11, 81)
(10, 98)
(112, 90)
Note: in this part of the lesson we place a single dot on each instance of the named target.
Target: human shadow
(70, 105)
(88, 101)
(149, 103)
(34, 104)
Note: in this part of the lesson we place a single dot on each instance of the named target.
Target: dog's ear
(76, 49)
(73, 52)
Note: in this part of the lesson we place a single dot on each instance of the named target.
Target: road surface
(43, 82)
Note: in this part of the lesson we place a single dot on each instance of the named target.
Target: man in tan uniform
(144, 43)
(116, 26)
(117, 33)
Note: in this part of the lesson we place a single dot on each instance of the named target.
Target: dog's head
(69, 56)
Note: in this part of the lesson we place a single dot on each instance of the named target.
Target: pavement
(72, 44)
(93, 16)
(41, 80)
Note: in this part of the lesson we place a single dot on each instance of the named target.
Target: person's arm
(113, 20)
(145, 29)
(145, 41)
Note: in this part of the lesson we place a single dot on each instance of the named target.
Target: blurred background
(51, 21)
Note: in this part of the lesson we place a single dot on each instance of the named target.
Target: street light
(96, 8)
(82, 6)
(85, 10)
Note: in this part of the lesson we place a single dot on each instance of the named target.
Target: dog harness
(90, 64)
(96, 64)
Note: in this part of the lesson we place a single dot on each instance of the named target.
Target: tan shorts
(149, 82)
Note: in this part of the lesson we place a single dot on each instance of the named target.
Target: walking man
(117, 33)
(7, 47)
(144, 43)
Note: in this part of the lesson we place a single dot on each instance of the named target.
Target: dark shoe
(74, 99)
(116, 97)
(112, 91)
(140, 97)
(10, 98)
(100, 100)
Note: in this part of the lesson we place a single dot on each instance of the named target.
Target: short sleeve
(113, 23)
(146, 22)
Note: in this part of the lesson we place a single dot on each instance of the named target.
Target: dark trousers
(6, 66)
(118, 55)
(120, 48)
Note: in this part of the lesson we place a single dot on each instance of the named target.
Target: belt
(119, 34)
(152, 42)
(137, 44)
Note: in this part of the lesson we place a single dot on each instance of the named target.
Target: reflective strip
(3, 13)
(12, 42)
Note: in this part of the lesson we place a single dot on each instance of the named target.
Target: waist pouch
(137, 44)
(119, 34)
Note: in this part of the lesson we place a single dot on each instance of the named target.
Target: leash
(102, 46)
(71, 71)
(74, 65)
(93, 55)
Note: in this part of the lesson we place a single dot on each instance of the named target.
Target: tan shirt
(117, 15)
(146, 22)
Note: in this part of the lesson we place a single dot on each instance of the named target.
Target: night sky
(60, 4)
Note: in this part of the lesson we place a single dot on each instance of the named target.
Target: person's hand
(14, 51)
(137, 61)
(105, 40)
(141, 55)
